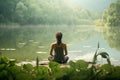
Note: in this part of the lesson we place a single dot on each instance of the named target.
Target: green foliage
(7, 13)
(72, 64)
(42, 73)
(3, 74)
(80, 65)
(4, 60)
(37, 62)
(102, 54)
(55, 67)
(111, 15)
(44, 12)
(24, 76)
(28, 67)
(105, 55)
(77, 71)
(15, 69)
(111, 35)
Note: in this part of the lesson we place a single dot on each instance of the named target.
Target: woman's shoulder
(53, 44)
(63, 44)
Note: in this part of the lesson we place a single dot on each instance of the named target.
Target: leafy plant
(102, 54)
(78, 70)
(37, 62)
(94, 71)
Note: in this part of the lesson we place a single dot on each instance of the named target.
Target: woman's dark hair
(59, 37)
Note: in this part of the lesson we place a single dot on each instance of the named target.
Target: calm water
(28, 42)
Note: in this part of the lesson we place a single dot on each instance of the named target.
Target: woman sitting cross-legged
(60, 50)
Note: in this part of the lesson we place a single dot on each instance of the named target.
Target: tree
(111, 15)
(43, 12)
(111, 35)
(7, 9)
(21, 12)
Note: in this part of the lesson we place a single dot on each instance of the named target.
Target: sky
(94, 5)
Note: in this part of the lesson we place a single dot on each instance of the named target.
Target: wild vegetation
(79, 70)
(22, 41)
(111, 35)
(111, 16)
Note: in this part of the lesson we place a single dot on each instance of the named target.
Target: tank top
(59, 54)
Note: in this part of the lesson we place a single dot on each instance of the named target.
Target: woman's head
(59, 37)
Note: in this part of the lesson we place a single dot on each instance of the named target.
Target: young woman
(60, 50)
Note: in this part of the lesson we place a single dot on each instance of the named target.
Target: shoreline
(46, 62)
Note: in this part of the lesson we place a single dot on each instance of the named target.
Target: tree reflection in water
(111, 35)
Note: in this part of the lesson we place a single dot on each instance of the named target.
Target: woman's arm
(65, 49)
(51, 50)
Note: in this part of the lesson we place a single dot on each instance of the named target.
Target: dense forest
(45, 12)
(59, 12)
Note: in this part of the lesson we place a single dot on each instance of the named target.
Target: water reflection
(7, 49)
(40, 52)
(111, 35)
(35, 41)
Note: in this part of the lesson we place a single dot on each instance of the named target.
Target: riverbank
(78, 70)
(46, 62)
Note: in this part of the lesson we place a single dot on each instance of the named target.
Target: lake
(28, 42)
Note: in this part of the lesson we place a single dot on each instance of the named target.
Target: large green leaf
(12, 62)
(4, 60)
(116, 73)
(72, 64)
(42, 73)
(28, 67)
(24, 76)
(104, 54)
(106, 67)
(2, 66)
(108, 60)
(15, 69)
(81, 64)
(95, 57)
(54, 65)
(42, 70)
(3, 74)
